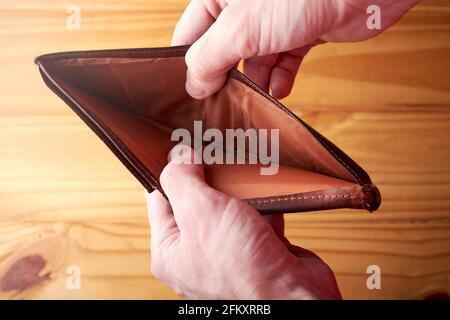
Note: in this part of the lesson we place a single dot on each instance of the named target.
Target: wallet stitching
(101, 52)
(364, 203)
(291, 198)
(339, 159)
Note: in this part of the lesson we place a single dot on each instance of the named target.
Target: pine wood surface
(66, 200)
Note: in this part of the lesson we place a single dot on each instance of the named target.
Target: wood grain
(66, 199)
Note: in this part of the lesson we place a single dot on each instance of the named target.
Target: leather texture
(134, 98)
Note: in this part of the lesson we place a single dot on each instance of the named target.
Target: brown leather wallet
(134, 98)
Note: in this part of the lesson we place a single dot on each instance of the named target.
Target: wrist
(291, 280)
(287, 281)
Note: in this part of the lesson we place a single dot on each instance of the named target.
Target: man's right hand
(272, 36)
(207, 245)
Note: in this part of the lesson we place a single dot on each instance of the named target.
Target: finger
(183, 182)
(196, 19)
(224, 44)
(283, 75)
(160, 218)
(242, 30)
(259, 69)
(286, 68)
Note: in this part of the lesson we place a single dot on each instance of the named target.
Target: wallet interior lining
(142, 100)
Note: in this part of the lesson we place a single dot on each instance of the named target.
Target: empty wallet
(134, 98)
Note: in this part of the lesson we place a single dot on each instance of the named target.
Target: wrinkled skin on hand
(273, 36)
(207, 245)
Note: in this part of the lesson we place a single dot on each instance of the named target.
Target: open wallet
(134, 98)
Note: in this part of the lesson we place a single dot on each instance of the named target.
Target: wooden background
(65, 199)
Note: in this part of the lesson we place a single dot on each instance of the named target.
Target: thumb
(219, 49)
(160, 217)
(183, 182)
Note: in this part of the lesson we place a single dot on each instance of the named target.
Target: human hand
(207, 245)
(273, 36)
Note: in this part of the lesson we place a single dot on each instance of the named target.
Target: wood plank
(65, 199)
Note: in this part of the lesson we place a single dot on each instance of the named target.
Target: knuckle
(244, 28)
(211, 199)
(214, 7)
(205, 3)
